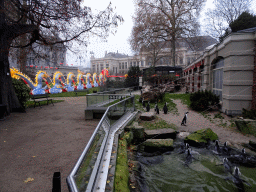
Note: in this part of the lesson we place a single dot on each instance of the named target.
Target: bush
(201, 100)
(251, 114)
(22, 91)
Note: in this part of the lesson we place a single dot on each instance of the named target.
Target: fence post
(56, 182)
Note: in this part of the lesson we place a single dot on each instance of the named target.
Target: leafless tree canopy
(46, 22)
(224, 12)
(166, 20)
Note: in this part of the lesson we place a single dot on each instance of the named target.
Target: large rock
(148, 116)
(152, 145)
(182, 135)
(246, 126)
(201, 137)
(161, 133)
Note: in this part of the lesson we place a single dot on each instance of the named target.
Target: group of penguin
(229, 161)
(165, 108)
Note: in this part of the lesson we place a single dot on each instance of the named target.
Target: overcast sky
(119, 41)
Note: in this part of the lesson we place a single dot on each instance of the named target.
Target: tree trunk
(173, 50)
(7, 94)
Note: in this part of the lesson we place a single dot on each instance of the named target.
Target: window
(122, 65)
(101, 67)
(130, 64)
(125, 65)
(188, 60)
(218, 77)
(142, 63)
(119, 65)
(134, 63)
(107, 65)
(138, 63)
(93, 68)
(181, 60)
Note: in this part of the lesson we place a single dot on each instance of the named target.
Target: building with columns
(116, 63)
(187, 51)
(228, 70)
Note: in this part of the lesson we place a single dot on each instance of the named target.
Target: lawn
(31, 103)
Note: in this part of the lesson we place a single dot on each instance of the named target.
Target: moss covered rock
(246, 126)
(152, 145)
(201, 137)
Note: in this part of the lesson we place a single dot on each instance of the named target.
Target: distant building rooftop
(249, 30)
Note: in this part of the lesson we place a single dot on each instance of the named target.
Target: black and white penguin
(165, 108)
(237, 180)
(217, 147)
(156, 109)
(227, 165)
(225, 148)
(188, 157)
(143, 103)
(184, 120)
(148, 107)
(184, 148)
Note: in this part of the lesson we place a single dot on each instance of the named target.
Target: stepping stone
(183, 135)
(152, 145)
(148, 116)
(161, 133)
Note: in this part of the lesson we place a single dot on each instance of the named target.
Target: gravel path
(40, 142)
(197, 121)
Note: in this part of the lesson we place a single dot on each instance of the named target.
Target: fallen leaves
(29, 179)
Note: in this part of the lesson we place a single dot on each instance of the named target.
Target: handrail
(70, 179)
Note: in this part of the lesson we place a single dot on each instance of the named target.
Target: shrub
(22, 91)
(201, 100)
(249, 114)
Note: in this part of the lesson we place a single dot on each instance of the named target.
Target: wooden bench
(84, 90)
(40, 98)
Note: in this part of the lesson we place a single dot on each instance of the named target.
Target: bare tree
(224, 12)
(175, 19)
(145, 35)
(40, 21)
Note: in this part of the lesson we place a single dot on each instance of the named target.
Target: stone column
(198, 78)
(254, 80)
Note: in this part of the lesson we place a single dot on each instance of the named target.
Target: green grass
(183, 97)
(157, 124)
(73, 94)
(30, 104)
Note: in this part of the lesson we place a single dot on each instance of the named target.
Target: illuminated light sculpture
(80, 85)
(70, 82)
(58, 84)
(95, 80)
(88, 81)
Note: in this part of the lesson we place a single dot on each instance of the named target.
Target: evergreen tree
(244, 21)
(133, 77)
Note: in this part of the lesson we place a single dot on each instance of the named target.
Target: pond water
(168, 172)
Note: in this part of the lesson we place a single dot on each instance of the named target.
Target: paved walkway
(40, 142)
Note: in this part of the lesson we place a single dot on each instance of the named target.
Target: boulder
(152, 145)
(182, 135)
(148, 116)
(201, 137)
(252, 144)
(161, 133)
(246, 126)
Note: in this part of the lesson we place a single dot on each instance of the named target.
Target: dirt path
(40, 142)
(197, 121)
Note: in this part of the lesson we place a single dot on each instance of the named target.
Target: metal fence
(84, 174)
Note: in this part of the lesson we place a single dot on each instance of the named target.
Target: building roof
(249, 30)
(115, 55)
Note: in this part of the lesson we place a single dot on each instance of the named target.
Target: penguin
(148, 107)
(217, 147)
(238, 181)
(156, 109)
(188, 157)
(183, 148)
(143, 103)
(165, 108)
(184, 120)
(227, 165)
(225, 148)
